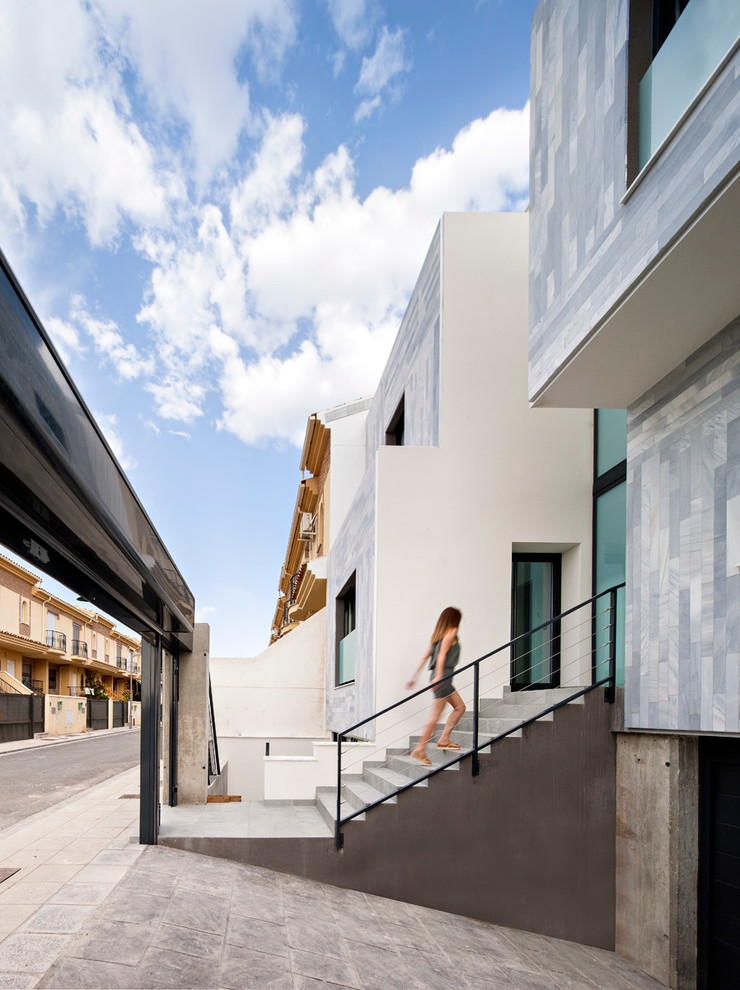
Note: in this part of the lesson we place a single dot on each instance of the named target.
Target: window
(395, 434)
(53, 680)
(346, 633)
(24, 613)
(610, 525)
(535, 592)
(675, 47)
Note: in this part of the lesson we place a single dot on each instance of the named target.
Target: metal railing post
(338, 837)
(476, 715)
(610, 689)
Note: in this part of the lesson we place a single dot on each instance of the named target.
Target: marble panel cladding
(412, 371)
(587, 245)
(683, 550)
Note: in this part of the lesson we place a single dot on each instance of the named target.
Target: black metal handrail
(79, 648)
(57, 640)
(608, 683)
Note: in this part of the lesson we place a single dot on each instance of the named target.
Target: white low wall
(295, 778)
(246, 758)
(64, 716)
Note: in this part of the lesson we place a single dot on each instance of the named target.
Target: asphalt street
(34, 779)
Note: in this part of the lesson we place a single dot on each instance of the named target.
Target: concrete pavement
(89, 908)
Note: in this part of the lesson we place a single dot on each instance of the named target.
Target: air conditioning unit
(307, 528)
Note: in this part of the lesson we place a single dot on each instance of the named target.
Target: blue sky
(219, 212)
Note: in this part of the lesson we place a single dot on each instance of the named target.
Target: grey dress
(446, 688)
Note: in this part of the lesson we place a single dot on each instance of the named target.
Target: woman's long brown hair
(449, 619)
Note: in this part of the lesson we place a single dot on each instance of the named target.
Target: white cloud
(108, 423)
(185, 56)
(65, 338)
(380, 70)
(180, 433)
(314, 264)
(353, 20)
(109, 342)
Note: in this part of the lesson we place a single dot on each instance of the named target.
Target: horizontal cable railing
(574, 651)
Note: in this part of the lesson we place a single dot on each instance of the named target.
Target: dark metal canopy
(65, 504)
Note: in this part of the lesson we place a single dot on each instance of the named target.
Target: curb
(22, 745)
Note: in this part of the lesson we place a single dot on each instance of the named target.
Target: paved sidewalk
(90, 909)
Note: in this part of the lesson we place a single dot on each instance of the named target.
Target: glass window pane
(609, 569)
(611, 439)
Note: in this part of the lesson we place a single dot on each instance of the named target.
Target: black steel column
(151, 678)
(174, 691)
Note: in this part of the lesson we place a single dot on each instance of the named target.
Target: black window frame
(395, 434)
(345, 612)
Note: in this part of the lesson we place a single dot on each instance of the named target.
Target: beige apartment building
(51, 647)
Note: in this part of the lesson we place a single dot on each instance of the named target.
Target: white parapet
(295, 778)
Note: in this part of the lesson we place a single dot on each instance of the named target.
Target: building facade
(462, 481)
(51, 647)
(635, 305)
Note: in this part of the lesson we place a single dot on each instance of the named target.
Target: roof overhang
(65, 504)
(688, 294)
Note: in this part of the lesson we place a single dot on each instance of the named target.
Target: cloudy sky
(219, 210)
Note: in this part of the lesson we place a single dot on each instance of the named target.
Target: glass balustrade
(347, 657)
(703, 35)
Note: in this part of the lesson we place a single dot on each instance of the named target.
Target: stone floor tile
(13, 915)
(82, 893)
(311, 935)
(18, 981)
(134, 905)
(26, 892)
(322, 967)
(247, 969)
(254, 934)
(163, 968)
(92, 873)
(149, 883)
(86, 974)
(58, 918)
(29, 952)
(111, 941)
(309, 983)
(252, 905)
(205, 912)
(378, 968)
(53, 872)
(188, 941)
(118, 857)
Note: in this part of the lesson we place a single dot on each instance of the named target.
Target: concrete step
(410, 767)
(326, 805)
(543, 698)
(387, 780)
(361, 793)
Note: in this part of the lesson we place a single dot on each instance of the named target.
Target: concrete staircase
(380, 778)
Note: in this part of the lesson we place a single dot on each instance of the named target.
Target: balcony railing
(57, 640)
(121, 663)
(79, 648)
(78, 691)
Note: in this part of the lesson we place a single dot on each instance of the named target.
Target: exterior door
(719, 865)
(535, 658)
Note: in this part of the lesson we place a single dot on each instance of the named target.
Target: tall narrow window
(609, 528)
(535, 658)
(395, 434)
(346, 633)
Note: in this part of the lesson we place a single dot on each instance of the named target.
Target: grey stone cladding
(683, 594)
(587, 248)
(412, 371)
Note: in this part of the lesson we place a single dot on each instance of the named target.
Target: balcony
(78, 691)
(703, 35)
(79, 648)
(121, 663)
(56, 640)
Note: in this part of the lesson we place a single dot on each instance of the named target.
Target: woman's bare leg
(458, 710)
(437, 707)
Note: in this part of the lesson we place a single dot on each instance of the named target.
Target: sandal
(424, 759)
(449, 745)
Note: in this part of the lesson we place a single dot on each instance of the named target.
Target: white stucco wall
(276, 697)
(347, 458)
(504, 477)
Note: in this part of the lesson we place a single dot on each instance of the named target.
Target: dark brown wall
(529, 843)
